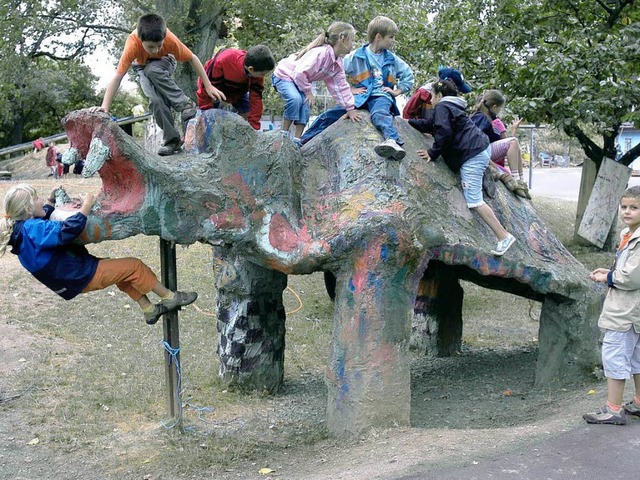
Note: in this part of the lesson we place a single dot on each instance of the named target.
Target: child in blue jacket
(46, 248)
(377, 77)
(464, 148)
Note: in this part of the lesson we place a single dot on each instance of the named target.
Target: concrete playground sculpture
(396, 236)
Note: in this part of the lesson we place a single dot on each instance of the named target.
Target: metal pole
(531, 157)
(171, 334)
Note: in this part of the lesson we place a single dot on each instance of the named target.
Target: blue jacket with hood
(44, 248)
(455, 137)
(395, 72)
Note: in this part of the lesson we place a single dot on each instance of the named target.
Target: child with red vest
(239, 75)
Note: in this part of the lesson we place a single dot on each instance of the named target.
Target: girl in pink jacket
(320, 60)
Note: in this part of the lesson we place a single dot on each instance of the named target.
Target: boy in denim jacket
(377, 77)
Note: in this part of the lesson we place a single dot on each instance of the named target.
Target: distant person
(620, 318)
(38, 144)
(320, 60)
(47, 249)
(153, 52)
(50, 160)
(465, 149)
(62, 168)
(377, 76)
(239, 75)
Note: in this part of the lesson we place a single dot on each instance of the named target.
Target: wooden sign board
(602, 208)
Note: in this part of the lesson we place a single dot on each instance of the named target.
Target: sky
(103, 66)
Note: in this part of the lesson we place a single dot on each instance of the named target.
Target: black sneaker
(603, 416)
(154, 315)
(180, 299)
(170, 148)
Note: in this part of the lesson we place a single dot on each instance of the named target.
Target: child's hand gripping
(424, 154)
(87, 203)
(599, 275)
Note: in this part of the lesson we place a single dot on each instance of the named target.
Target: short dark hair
(446, 88)
(151, 28)
(260, 58)
(632, 192)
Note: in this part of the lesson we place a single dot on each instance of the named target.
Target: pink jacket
(319, 63)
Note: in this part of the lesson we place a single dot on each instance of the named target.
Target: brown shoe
(509, 181)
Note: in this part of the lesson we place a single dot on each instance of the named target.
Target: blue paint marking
(352, 286)
(384, 253)
(342, 380)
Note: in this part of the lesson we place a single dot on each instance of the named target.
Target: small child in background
(320, 60)
(486, 117)
(47, 250)
(465, 149)
(50, 159)
(239, 75)
(620, 318)
(377, 76)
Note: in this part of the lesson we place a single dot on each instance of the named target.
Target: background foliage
(573, 64)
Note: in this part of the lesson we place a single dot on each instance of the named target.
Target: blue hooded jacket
(44, 248)
(395, 72)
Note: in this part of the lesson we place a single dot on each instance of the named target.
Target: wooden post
(171, 335)
(600, 212)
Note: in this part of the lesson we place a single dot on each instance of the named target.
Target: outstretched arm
(213, 92)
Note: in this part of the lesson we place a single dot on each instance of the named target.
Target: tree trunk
(587, 181)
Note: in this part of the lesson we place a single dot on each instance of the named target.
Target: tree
(42, 45)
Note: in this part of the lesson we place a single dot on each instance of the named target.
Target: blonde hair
(488, 100)
(334, 33)
(19, 203)
(381, 25)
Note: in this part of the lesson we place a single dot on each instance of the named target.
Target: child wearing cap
(420, 102)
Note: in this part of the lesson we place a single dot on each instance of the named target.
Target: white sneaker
(503, 246)
(390, 149)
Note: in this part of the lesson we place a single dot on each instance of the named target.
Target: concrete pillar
(251, 325)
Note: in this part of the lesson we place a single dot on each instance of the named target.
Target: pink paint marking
(230, 219)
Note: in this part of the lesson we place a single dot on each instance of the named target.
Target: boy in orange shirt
(153, 52)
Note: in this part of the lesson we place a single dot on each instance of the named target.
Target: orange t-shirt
(134, 51)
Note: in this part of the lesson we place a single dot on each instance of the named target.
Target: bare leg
(286, 125)
(514, 156)
(145, 303)
(615, 390)
(636, 380)
(161, 290)
(486, 213)
(299, 130)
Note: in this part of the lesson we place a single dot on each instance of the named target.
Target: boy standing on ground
(154, 51)
(239, 75)
(377, 77)
(620, 318)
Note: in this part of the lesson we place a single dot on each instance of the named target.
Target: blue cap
(456, 77)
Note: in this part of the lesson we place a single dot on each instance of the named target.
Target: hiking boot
(390, 149)
(187, 114)
(179, 299)
(522, 189)
(503, 246)
(154, 315)
(170, 148)
(603, 416)
(509, 182)
(632, 409)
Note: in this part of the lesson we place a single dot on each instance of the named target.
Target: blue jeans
(381, 117)
(241, 106)
(296, 108)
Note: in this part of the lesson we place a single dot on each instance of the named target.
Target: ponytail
(334, 33)
(6, 230)
(488, 100)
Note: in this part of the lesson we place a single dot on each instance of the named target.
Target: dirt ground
(470, 406)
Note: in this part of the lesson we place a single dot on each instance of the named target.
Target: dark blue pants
(381, 117)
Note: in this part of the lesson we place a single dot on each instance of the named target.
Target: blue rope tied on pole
(173, 357)
(201, 411)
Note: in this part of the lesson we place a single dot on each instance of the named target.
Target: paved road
(563, 183)
(592, 452)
